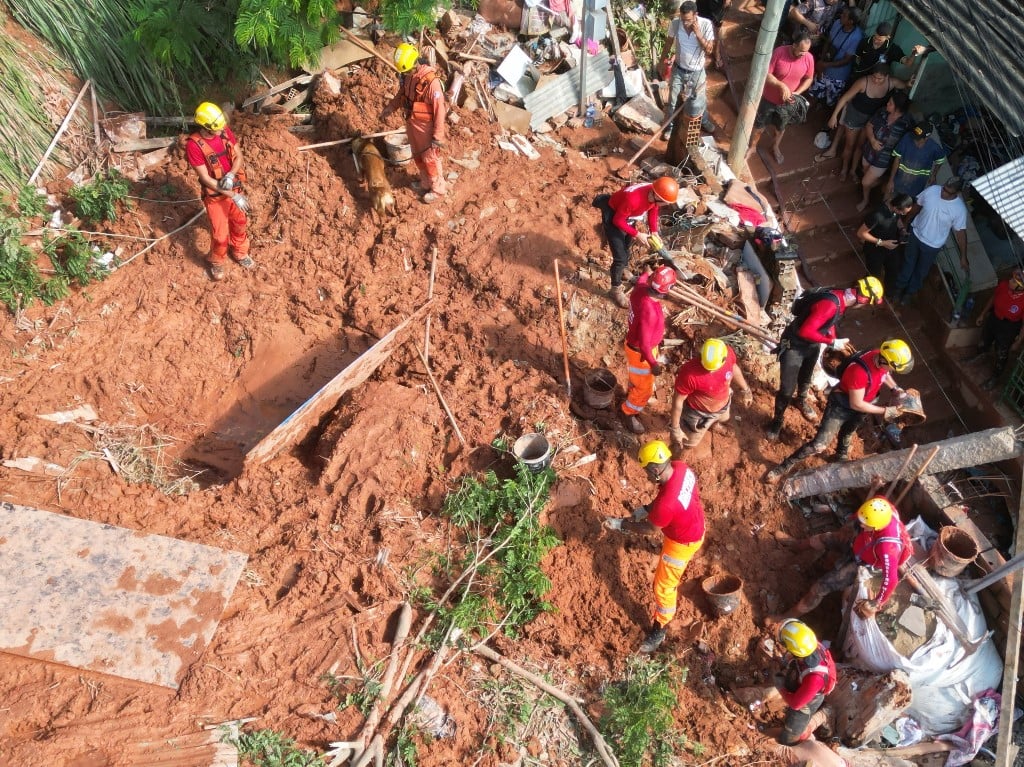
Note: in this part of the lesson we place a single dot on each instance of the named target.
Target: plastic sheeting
(945, 680)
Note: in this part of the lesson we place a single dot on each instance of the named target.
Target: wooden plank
(109, 599)
(701, 166)
(145, 144)
(295, 426)
(286, 85)
(1005, 749)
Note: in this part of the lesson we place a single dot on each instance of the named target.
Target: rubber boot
(806, 406)
(653, 639)
(843, 449)
(775, 427)
(618, 295)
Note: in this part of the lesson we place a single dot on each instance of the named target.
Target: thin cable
(917, 354)
(167, 202)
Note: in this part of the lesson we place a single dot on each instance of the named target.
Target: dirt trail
(217, 366)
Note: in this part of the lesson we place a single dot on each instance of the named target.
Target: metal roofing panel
(982, 42)
(564, 92)
(1003, 189)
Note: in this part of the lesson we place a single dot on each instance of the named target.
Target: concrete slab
(108, 599)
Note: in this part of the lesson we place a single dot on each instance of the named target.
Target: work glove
(866, 608)
(841, 344)
(677, 436)
(899, 395)
(242, 202)
(747, 398)
(639, 513)
(227, 183)
(891, 414)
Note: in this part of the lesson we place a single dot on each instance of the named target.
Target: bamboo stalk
(903, 468)
(561, 328)
(60, 131)
(401, 634)
(95, 116)
(350, 139)
(430, 295)
(917, 475)
(440, 396)
(368, 48)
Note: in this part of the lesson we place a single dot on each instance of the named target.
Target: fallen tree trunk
(987, 446)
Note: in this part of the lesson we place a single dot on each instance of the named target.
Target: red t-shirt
(646, 320)
(885, 549)
(631, 202)
(677, 510)
(1007, 305)
(194, 154)
(856, 377)
(789, 69)
(706, 390)
(822, 311)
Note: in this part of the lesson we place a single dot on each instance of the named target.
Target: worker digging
(215, 156)
(703, 393)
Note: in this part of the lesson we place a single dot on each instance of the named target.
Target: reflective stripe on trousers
(641, 381)
(674, 558)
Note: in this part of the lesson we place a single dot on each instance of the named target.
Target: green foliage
(359, 692)
(510, 707)
(290, 32)
(29, 202)
(20, 281)
(97, 201)
(404, 752)
(501, 517)
(638, 720)
(646, 35)
(269, 748)
(403, 17)
(25, 129)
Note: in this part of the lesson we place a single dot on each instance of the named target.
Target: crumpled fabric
(978, 729)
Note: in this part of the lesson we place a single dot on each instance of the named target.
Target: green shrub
(20, 281)
(291, 32)
(269, 748)
(29, 202)
(97, 201)
(403, 17)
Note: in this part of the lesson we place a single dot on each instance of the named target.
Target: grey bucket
(723, 593)
(533, 450)
(599, 388)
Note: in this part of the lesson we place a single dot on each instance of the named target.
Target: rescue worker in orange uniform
(618, 210)
(644, 335)
(882, 544)
(213, 153)
(809, 676)
(816, 314)
(704, 394)
(677, 511)
(852, 399)
(421, 95)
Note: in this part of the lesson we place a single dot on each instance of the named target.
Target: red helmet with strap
(663, 279)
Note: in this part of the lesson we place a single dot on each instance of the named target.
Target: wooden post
(440, 396)
(755, 83)
(368, 48)
(1005, 749)
(561, 327)
(95, 116)
(350, 139)
(60, 131)
(920, 470)
(583, 61)
(430, 295)
(903, 468)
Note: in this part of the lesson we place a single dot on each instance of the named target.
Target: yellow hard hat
(870, 288)
(406, 57)
(713, 354)
(897, 354)
(210, 116)
(798, 638)
(875, 513)
(654, 451)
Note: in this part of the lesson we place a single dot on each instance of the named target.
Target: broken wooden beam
(701, 166)
(285, 86)
(295, 426)
(1005, 748)
(145, 144)
(989, 446)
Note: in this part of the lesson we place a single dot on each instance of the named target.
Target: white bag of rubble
(944, 678)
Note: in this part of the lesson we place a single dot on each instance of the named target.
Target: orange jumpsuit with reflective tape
(422, 97)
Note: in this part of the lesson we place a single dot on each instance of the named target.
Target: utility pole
(755, 83)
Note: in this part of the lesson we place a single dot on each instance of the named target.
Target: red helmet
(663, 279)
(666, 189)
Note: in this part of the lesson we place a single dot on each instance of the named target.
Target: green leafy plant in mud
(638, 721)
(404, 752)
(648, 34)
(290, 32)
(97, 200)
(269, 748)
(403, 17)
(360, 691)
(20, 280)
(29, 202)
(495, 571)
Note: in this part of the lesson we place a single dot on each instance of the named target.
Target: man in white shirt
(693, 37)
(939, 211)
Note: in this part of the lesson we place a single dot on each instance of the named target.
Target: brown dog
(371, 165)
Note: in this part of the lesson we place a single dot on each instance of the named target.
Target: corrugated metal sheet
(1003, 189)
(557, 96)
(983, 43)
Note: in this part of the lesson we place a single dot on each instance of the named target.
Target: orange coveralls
(422, 97)
(227, 222)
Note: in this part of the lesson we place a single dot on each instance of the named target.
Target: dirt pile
(332, 527)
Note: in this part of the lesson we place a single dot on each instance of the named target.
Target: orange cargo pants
(426, 156)
(227, 228)
(675, 557)
(641, 381)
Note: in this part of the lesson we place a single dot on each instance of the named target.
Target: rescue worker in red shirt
(677, 511)
(1000, 328)
(213, 153)
(421, 95)
(815, 318)
(618, 210)
(809, 676)
(883, 544)
(852, 399)
(704, 393)
(644, 335)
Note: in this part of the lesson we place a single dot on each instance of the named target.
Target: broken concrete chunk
(913, 621)
(639, 114)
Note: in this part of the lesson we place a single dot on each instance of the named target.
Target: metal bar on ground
(60, 131)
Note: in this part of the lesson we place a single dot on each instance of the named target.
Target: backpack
(802, 306)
